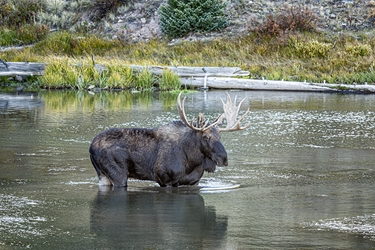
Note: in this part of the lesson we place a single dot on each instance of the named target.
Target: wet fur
(171, 155)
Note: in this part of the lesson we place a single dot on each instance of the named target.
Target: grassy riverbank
(311, 56)
(287, 44)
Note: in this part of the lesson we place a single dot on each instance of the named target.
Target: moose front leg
(192, 178)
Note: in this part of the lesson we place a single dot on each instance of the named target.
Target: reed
(169, 81)
(144, 80)
(120, 77)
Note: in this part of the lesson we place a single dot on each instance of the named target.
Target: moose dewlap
(173, 154)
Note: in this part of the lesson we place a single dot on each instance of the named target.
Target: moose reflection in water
(174, 154)
(155, 219)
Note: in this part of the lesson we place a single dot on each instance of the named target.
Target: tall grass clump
(312, 48)
(8, 37)
(169, 80)
(24, 35)
(56, 76)
(67, 43)
(63, 73)
(358, 50)
(120, 77)
(143, 79)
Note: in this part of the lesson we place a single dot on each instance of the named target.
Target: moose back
(174, 154)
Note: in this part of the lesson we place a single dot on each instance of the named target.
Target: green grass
(144, 80)
(169, 81)
(315, 57)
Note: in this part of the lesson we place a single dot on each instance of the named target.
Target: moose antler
(230, 115)
(201, 124)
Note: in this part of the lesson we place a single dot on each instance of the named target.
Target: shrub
(293, 18)
(62, 14)
(179, 17)
(15, 13)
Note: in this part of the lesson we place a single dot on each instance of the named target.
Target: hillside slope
(138, 20)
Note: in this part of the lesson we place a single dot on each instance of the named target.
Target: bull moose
(173, 154)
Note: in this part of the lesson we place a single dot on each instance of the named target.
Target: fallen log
(21, 68)
(254, 84)
(195, 71)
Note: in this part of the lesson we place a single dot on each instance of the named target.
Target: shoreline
(275, 85)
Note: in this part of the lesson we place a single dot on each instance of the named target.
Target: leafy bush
(293, 18)
(179, 17)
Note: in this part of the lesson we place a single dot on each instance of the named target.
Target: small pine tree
(179, 17)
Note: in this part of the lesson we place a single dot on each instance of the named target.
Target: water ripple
(363, 225)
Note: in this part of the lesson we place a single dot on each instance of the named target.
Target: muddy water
(305, 168)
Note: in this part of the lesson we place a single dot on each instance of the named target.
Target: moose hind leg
(103, 180)
(118, 174)
(115, 169)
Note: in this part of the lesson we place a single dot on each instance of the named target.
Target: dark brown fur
(171, 155)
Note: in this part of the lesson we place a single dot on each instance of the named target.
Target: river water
(305, 168)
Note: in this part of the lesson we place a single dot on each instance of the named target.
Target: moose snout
(225, 163)
(222, 160)
(220, 156)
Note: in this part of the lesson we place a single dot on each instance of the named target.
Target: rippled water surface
(305, 168)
